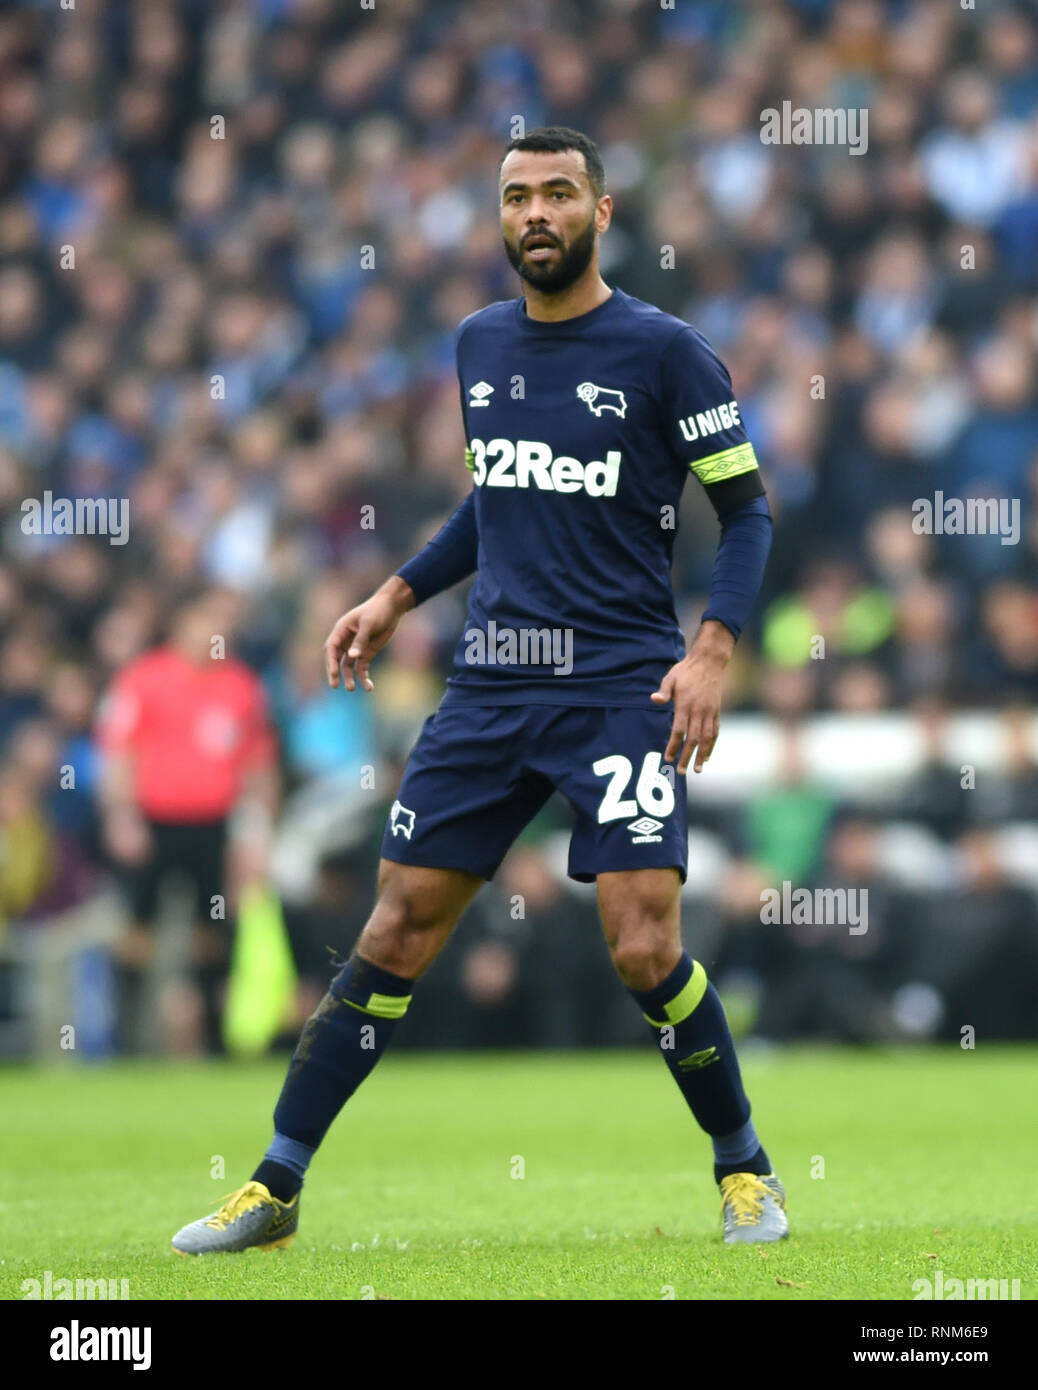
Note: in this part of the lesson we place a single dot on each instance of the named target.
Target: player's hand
(126, 836)
(363, 631)
(694, 686)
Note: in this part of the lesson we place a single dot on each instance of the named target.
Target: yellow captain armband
(729, 463)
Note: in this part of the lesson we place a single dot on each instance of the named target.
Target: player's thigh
(640, 911)
(415, 912)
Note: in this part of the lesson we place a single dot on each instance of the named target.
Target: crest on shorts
(401, 820)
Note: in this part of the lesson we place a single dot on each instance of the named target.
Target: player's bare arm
(694, 686)
(365, 630)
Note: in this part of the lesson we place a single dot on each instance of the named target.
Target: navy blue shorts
(479, 774)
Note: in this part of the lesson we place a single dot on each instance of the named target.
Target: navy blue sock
(696, 1043)
(284, 1167)
(340, 1044)
(740, 1153)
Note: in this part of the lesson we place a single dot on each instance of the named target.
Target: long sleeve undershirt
(738, 566)
(448, 558)
(739, 563)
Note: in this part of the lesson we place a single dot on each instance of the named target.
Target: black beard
(571, 264)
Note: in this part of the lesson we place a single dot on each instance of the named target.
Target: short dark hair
(551, 139)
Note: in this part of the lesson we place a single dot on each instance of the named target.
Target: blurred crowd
(235, 239)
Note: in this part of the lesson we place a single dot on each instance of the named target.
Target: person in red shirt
(186, 739)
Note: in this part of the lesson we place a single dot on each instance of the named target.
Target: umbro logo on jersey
(643, 831)
(401, 820)
(599, 398)
(478, 394)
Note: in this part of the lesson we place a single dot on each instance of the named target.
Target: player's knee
(643, 956)
(402, 913)
(404, 933)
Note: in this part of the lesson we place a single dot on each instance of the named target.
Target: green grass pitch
(929, 1161)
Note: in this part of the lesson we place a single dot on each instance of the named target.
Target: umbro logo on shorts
(643, 831)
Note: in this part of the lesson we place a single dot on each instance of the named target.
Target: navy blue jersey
(581, 435)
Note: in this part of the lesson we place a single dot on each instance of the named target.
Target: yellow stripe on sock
(383, 1005)
(685, 1002)
(729, 463)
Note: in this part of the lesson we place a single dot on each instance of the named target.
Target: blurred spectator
(26, 849)
(934, 796)
(833, 979)
(1012, 796)
(975, 950)
(785, 829)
